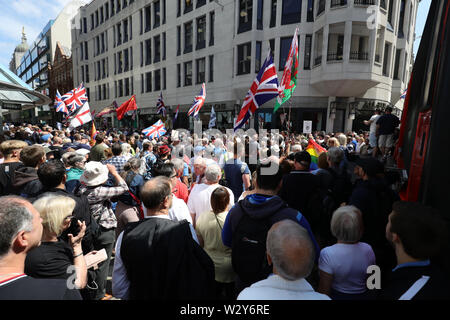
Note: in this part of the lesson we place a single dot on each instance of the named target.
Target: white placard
(307, 126)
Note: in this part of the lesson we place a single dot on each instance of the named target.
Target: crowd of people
(212, 217)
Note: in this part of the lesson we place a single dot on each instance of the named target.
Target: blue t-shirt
(233, 173)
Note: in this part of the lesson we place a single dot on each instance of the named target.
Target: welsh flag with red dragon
(289, 79)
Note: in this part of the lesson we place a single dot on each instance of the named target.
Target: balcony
(361, 56)
(365, 2)
(333, 56)
(338, 3)
(317, 60)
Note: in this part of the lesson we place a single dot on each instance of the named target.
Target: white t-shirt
(348, 264)
(373, 124)
(200, 199)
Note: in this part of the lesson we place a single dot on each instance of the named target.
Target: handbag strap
(415, 288)
(141, 210)
(215, 215)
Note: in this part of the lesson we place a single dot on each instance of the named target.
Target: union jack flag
(403, 96)
(75, 98)
(263, 89)
(60, 105)
(161, 108)
(155, 131)
(198, 102)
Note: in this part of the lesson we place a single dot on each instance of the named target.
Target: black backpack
(248, 250)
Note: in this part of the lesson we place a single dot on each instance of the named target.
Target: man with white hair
(200, 198)
(291, 253)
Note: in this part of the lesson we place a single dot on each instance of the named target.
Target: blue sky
(34, 15)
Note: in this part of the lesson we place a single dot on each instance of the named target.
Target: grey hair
(212, 173)
(342, 138)
(347, 224)
(74, 158)
(132, 164)
(14, 217)
(335, 155)
(65, 157)
(296, 148)
(178, 164)
(126, 148)
(287, 237)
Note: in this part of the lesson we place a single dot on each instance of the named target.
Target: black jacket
(400, 280)
(27, 182)
(7, 173)
(164, 262)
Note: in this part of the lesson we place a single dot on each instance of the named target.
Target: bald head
(291, 250)
(155, 193)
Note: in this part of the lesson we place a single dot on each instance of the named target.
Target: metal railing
(356, 55)
(338, 3)
(333, 56)
(365, 2)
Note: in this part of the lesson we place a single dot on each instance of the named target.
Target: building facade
(354, 56)
(34, 65)
(60, 74)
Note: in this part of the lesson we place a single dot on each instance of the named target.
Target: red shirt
(181, 191)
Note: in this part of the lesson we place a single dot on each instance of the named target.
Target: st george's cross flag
(75, 98)
(263, 89)
(155, 131)
(198, 102)
(82, 116)
(289, 79)
(60, 105)
(160, 107)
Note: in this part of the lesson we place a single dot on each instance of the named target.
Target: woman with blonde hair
(54, 257)
(333, 142)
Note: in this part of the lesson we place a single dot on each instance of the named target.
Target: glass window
(178, 40)
(148, 51)
(112, 8)
(119, 34)
(157, 14)
(307, 61)
(142, 53)
(178, 8)
(157, 80)
(106, 11)
(188, 37)
(245, 15)
(291, 12)
(126, 60)
(244, 58)
(148, 14)
(200, 70)
(164, 46)
(148, 82)
(164, 79)
(127, 86)
(259, 16)
(157, 43)
(120, 88)
(285, 45)
(401, 19)
(200, 3)
(125, 30)
(178, 75)
(188, 6)
(188, 73)
(273, 14)
(310, 11)
(258, 56)
(211, 28)
(211, 68)
(201, 33)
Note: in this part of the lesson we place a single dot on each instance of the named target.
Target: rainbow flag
(314, 150)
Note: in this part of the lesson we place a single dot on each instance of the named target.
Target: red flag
(125, 107)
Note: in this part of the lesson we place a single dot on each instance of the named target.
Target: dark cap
(303, 156)
(370, 166)
(164, 149)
